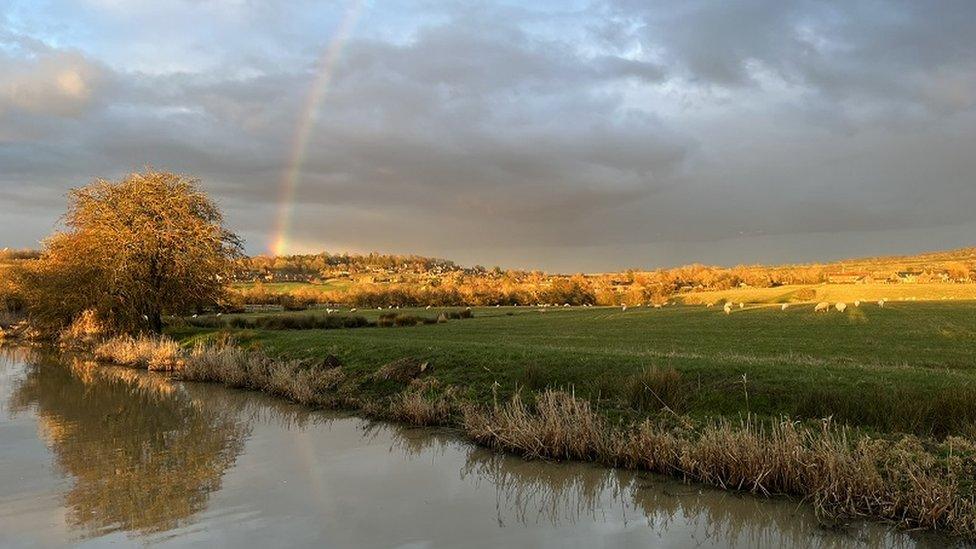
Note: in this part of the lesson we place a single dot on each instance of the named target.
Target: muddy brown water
(97, 456)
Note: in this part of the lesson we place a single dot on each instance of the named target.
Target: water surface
(97, 456)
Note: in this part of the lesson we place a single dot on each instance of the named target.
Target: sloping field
(847, 293)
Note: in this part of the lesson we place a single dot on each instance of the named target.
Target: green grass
(907, 367)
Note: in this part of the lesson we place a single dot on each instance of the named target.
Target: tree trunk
(156, 323)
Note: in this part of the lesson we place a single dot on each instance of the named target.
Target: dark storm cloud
(621, 134)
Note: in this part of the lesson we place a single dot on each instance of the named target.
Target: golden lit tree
(133, 250)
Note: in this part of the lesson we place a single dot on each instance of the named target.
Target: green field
(847, 293)
(908, 367)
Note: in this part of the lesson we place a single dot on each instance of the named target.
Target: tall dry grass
(841, 472)
(151, 352)
(302, 381)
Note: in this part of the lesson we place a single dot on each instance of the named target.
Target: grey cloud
(59, 84)
(483, 139)
(899, 51)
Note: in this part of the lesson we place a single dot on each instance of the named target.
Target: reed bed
(417, 408)
(302, 381)
(842, 472)
(152, 353)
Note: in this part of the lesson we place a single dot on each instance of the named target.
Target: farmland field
(836, 292)
(901, 368)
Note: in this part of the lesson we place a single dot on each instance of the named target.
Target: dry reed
(843, 473)
(152, 353)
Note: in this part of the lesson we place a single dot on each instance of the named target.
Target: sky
(560, 135)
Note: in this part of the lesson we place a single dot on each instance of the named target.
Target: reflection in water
(167, 462)
(530, 492)
(142, 455)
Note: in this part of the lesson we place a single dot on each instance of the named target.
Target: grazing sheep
(741, 305)
(881, 303)
(565, 304)
(353, 310)
(657, 305)
(428, 307)
(822, 307)
(857, 303)
(841, 307)
(784, 306)
(709, 304)
(623, 307)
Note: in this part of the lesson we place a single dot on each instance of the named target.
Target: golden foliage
(149, 244)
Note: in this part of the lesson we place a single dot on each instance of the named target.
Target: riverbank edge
(842, 473)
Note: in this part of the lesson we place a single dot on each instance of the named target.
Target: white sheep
(822, 307)
(623, 307)
(741, 305)
(727, 308)
(784, 306)
(857, 303)
(881, 303)
(428, 307)
(709, 304)
(841, 307)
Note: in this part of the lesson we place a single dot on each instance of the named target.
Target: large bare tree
(134, 250)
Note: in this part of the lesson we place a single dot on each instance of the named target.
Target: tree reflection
(144, 456)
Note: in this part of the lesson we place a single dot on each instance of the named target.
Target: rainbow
(306, 121)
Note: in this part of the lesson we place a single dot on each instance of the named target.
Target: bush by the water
(282, 322)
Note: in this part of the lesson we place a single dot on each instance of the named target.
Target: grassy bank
(906, 368)
(843, 472)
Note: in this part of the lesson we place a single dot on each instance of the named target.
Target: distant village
(956, 267)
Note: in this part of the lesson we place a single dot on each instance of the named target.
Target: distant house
(935, 276)
(908, 277)
(849, 278)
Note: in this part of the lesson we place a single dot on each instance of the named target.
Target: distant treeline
(411, 281)
(326, 264)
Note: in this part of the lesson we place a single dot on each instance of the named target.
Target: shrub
(402, 370)
(283, 322)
